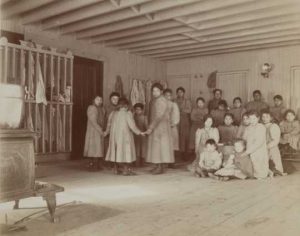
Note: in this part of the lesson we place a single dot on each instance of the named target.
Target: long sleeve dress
(160, 142)
(141, 122)
(121, 127)
(185, 107)
(218, 116)
(175, 119)
(256, 105)
(278, 112)
(227, 133)
(290, 133)
(94, 141)
(255, 137)
(237, 114)
(273, 139)
(197, 116)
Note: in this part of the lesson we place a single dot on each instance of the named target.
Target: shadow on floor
(69, 217)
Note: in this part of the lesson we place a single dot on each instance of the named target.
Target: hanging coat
(255, 137)
(121, 147)
(273, 138)
(160, 142)
(119, 86)
(197, 117)
(93, 146)
(185, 108)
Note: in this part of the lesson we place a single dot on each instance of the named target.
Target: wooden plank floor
(171, 204)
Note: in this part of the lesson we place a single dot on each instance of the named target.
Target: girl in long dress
(185, 108)
(255, 136)
(121, 149)
(141, 121)
(209, 131)
(197, 117)
(290, 131)
(160, 142)
(94, 140)
(273, 138)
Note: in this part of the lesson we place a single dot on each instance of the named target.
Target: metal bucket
(11, 105)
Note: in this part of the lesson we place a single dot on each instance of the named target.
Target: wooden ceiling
(167, 29)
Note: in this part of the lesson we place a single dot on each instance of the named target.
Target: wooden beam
(234, 50)
(140, 30)
(151, 35)
(231, 45)
(254, 37)
(56, 8)
(131, 12)
(188, 44)
(206, 33)
(248, 7)
(209, 16)
(18, 7)
(87, 12)
(200, 6)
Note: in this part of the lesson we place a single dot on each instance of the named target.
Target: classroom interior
(82, 47)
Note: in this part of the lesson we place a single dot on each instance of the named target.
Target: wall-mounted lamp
(266, 69)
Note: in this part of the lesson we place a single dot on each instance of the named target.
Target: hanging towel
(40, 94)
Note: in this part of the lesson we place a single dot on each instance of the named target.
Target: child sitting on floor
(210, 159)
(121, 149)
(237, 166)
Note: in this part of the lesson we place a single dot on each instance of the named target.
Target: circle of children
(239, 142)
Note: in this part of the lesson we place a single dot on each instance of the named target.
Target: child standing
(121, 147)
(273, 138)
(237, 110)
(237, 166)
(197, 116)
(290, 131)
(141, 122)
(210, 159)
(219, 113)
(227, 131)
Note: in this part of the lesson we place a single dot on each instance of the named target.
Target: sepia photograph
(150, 117)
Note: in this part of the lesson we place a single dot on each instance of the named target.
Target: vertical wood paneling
(279, 82)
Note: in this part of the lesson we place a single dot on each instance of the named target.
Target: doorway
(87, 83)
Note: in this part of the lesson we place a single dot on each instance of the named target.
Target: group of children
(229, 143)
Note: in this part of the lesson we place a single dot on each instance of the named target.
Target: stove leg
(16, 206)
(51, 204)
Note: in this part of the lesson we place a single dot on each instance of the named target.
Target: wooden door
(233, 84)
(87, 83)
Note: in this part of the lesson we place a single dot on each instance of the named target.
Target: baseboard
(52, 157)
